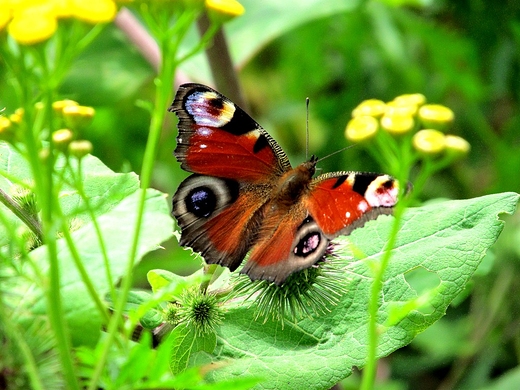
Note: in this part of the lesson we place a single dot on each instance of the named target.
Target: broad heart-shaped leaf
(448, 239)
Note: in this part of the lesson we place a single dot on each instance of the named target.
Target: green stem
(163, 96)
(78, 181)
(369, 372)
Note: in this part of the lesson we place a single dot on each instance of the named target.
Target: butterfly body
(244, 196)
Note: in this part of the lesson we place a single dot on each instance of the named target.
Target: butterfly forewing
(217, 138)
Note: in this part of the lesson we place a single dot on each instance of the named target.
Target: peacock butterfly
(244, 196)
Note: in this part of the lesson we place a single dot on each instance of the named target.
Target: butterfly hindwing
(217, 218)
(340, 202)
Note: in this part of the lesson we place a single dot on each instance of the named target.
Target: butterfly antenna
(307, 101)
(336, 152)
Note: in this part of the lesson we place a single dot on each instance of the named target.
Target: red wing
(286, 244)
(342, 201)
(217, 138)
(217, 218)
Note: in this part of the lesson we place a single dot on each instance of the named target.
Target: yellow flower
(221, 11)
(77, 116)
(372, 107)
(457, 145)
(361, 128)
(59, 105)
(94, 11)
(62, 8)
(436, 116)
(5, 128)
(80, 149)
(416, 99)
(400, 108)
(32, 25)
(5, 13)
(62, 138)
(429, 141)
(17, 115)
(397, 123)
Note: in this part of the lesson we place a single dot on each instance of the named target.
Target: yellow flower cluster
(33, 21)
(401, 116)
(72, 115)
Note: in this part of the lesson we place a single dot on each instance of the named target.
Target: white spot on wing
(377, 195)
(198, 105)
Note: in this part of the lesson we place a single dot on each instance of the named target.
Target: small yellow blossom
(62, 8)
(59, 105)
(397, 124)
(5, 14)
(80, 149)
(372, 107)
(94, 11)
(400, 108)
(78, 116)
(221, 11)
(33, 25)
(436, 116)
(457, 145)
(361, 128)
(17, 115)
(62, 138)
(416, 99)
(6, 130)
(429, 141)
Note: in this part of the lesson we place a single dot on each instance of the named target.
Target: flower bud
(436, 116)
(429, 141)
(415, 99)
(220, 11)
(17, 115)
(370, 107)
(457, 145)
(77, 117)
(6, 129)
(397, 124)
(80, 149)
(33, 24)
(361, 128)
(395, 108)
(62, 138)
(59, 105)
(95, 11)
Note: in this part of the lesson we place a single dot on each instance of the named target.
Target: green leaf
(114, 198)
(159, 279)
(448, 239)
(186, 343)
(117, 228)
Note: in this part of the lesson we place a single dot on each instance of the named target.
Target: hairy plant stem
(27, 218)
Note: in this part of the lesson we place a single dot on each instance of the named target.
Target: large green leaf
(447, 240)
